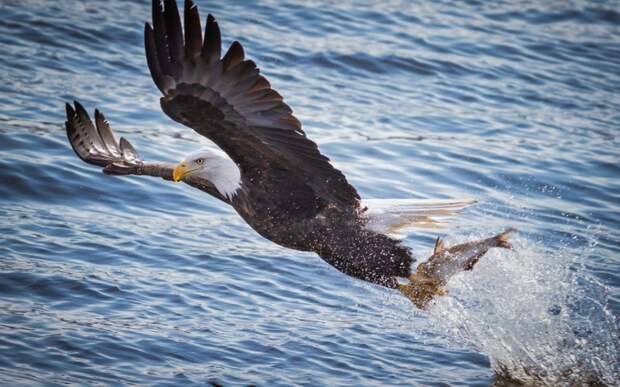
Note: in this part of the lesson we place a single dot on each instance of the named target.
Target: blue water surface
(107, 280)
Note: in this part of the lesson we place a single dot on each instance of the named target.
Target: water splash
(536, 313)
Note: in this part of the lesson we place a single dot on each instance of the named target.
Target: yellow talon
(421, 290)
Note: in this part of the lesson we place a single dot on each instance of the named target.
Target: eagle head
(211, 165)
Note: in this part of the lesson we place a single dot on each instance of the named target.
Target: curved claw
(421, 290)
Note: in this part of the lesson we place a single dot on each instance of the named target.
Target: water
(135, 281)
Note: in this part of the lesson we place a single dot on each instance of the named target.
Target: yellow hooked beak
(179, 172)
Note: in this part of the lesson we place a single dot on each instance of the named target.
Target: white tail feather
(396, 216)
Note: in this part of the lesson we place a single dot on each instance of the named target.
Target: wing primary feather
(212, 49)
(234, 56)
(70, 111)
(87, 126)
(173, 31)
(128, 151)
(75, 138)
(106, 133)
(193, 33)
(73, 141)
(159, 29)
(82, 114)
(151, 56)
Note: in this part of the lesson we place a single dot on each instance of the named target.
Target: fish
(431, 276)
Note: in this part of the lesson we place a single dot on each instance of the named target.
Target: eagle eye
(200, 161)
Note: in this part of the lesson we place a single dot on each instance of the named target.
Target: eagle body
(281, 202)
(339, 236)
(269, 171)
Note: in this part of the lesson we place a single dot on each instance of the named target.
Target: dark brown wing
(229, 102)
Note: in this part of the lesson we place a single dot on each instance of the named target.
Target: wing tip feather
(212, 47)
(69, 109)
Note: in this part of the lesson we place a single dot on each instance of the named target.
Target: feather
(88, 132)
(396, 216)
(159, 29)
(193, 34)
(212, 49)
(233, 56)
(103, 128)
(128, 151)
(173, 30)
(152, 58)
(74, 134)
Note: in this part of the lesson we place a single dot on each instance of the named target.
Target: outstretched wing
(96, 144)
(228, 101)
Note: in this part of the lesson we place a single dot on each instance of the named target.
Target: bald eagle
(268, 170)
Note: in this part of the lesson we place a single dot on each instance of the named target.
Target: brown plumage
(228, 101)
(288, 191)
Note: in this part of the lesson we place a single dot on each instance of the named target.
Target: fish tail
(502, 239)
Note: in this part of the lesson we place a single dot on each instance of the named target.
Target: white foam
(535, 313)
